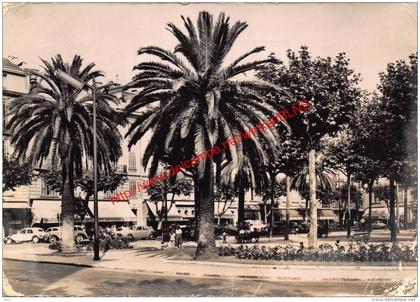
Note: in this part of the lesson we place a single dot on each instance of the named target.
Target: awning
(16, 205)
(152, 207)
(294, 214)
(48, 211)
(327, 214)
(252, 207)
(119, 211)
(173, 213)
(379, 213)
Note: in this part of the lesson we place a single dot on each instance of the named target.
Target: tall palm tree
(324, 181)
(54, 121)
(193, 103)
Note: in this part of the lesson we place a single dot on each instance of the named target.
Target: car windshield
(120, 229)
(21, 232)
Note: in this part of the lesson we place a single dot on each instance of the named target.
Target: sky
(109, 34)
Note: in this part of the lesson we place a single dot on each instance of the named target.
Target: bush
(325, 252)
(105, 243)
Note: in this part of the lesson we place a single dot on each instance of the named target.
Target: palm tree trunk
(53, 146)
(397, 208)
(348, 205)
(206, 245)
(196, 203)
(241, 201)
(405, 206)
(340, 213)
(313, 228)
(271, 219)
(286, 236)
(67, 207)
(392, 209)
(370, 189)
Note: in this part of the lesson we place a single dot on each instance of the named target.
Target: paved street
(40, 279)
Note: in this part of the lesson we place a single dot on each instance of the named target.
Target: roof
(11, 67)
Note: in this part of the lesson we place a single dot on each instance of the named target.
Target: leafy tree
(194, 104)
(369, 168)
(54, 121)
(291, 160)
(269, 194)
(398, 125)
(15, 173)
(107, 182)
(224, 197)
(159, 193)
(344, 152)
(356, 200)
(331, 86)
(324, 181)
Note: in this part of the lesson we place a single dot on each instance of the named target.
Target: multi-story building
(35, 204)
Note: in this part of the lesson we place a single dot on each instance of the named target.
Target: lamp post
(79, 84)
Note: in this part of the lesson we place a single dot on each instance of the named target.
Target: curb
(204, 275)
(297, 266)
(52, 262)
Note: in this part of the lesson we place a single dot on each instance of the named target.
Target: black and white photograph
(210, 150)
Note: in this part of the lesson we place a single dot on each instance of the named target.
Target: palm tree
(193, 103)
(324, 181)
(54, 121)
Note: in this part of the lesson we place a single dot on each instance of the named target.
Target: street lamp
(79, 84)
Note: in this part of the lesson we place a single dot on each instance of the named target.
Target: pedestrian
(224, 235)
(172, 238)
(178, 237)
(165, 237)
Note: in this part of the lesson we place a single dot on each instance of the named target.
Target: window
(29, 231)
(132, 161)
(132, 187)
(45, 191)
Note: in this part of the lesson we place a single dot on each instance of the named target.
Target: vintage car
(135, 232)
(54, 234)
(25, 235)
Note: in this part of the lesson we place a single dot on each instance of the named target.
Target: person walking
(224, 235)
(172, 238)
(166, 237)
(178, 237)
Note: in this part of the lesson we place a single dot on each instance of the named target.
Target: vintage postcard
(210, 149)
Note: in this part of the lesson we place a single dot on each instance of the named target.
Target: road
(41, 279)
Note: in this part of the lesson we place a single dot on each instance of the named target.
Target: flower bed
(106, 243)
(325, 252)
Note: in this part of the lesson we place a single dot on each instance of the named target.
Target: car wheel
(53, 239)
(79, 238)
(151, 237)
(35, 239)
(130, 237)
(9, 241)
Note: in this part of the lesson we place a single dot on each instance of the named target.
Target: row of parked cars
(54, 234)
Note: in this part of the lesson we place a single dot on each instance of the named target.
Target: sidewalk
(152, 260)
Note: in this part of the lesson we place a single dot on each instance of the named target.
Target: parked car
(54, 234)
(136, 232)
(25, 235)
(256, 224)
(378, 225)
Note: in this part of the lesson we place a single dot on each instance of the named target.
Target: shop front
(47, 213)
(16, 216)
